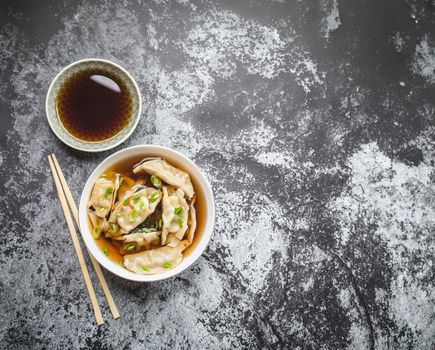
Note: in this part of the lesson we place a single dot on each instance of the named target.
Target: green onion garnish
(118, 215)
(167, 265)
(159, 223)
(108, 192)
(156, 181)
(121, 181)
(96, 231)
(126, 201)
(102, 209)
(142, 205)
(134, 214)
(145, 268)
(129, 246)
(179, 212)
(154, 196)
(136, 199)
(106, 251)
(148, 230)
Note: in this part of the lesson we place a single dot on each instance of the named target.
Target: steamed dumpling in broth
(175, 213)
(192, 222)
(168, 173)
(103, 196)
(155, 260)
(101, 202)
(146, 240)
(133, 209)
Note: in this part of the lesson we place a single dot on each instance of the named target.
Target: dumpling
(192, 222)
(141, 240)
(101, 203)
(155, 260)
(175, 213)
(134, 208)
(168, 173)
(172, 239)
(98, 224)
(103, 196)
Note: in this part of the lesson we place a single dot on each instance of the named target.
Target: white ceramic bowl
(63, 134)
(199, 181)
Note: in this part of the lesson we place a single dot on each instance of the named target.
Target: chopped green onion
(102, 209)
(129, 246)
(96, 232)
(108, 192)
(126, 201)
(159, 223)
(103, 175)
(134, 214)
(136, 199)
(179, 212)
(154, 196)
(119, 215)
(167, 265)
(121, 181)
(156, 181)
(113, 228)
(145, 268)
(148, 230)
(142, 205)
(106, 251)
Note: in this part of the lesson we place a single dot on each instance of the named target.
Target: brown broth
(94, 105)
(125, 167)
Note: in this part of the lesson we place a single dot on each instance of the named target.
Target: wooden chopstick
(76, 244)
(95, 263)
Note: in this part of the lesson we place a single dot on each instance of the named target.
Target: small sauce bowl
(80, 66)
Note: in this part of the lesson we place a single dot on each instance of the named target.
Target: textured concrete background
(314, 121)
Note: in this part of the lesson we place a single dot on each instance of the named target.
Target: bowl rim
(111, 265)
(110, 145)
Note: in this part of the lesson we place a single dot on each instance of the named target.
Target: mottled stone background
(314, 121)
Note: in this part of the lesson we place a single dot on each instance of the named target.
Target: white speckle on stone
(398, 42)
(424, 61)
(412, 305)
(358, 337)
(402, 83)
(332, 20)
(307, 81)
(274, 159)
(253, 241)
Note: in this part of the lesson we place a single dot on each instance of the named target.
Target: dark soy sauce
(94, 105)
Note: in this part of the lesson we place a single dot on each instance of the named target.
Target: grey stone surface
(314, 121)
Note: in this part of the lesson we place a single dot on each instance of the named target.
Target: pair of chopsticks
(66, 199)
